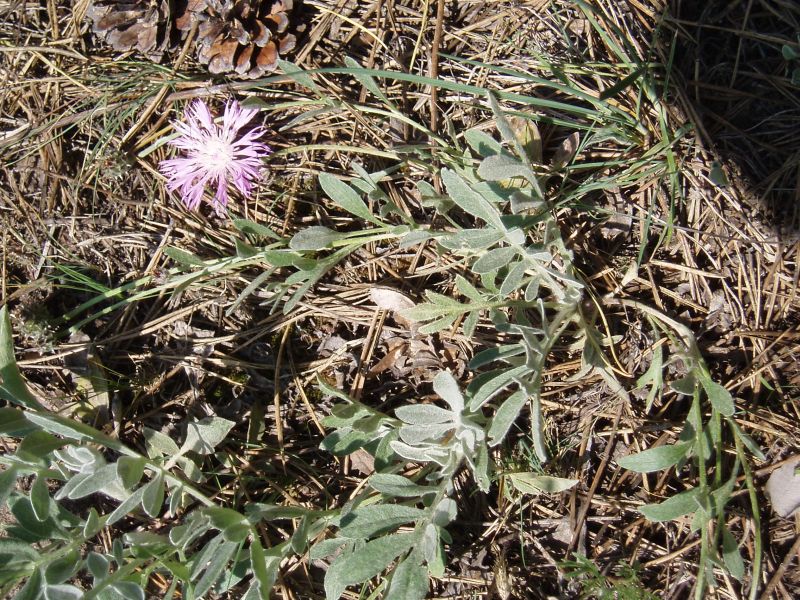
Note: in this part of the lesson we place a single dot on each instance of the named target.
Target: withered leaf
(566, 151)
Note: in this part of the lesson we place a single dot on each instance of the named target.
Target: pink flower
(214, 154)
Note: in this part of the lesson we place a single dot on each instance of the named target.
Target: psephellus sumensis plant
(517, 272)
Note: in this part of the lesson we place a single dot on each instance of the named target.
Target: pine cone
(244, 36)
(149, 26)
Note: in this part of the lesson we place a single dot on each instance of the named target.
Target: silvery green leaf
(97, 481)
(433, 550)
(516, 236)
(409, 581)
(730, 555)
(126, 506)
(513, 280)
(74, 430)
(655, 459)
(183, 258)
(720, 398)
(61, 569)
(414, 237)
(265, 565)
(98, 565)
(14, 423)
(256, 229)
(482, 143)
(365, 563)
(243, 249)
(399, 486)
(258, 511)
(469, 290)
(127, 590)
(12, 386)
(481, 468)
(423, 454)
(346, 197)
(493, 260)
(344, 415)
(329, 547)
(524, 201)
(80, 458)
(177, 499)
(427, 311)
(469, 200)
(532, 483)
(470, 323)
(92, 525)
(32, 590)
(190, 469)
(205, 435)
(414, 434)
(446, 386)
(748, 441)
(424, 414)
(685, 385)
(505, 416)
(673, 507)
(471, 239)
(503, 126)
(439, 325)
(445, 512)
(73, 482)
(484, 387)
(500, 167)
(40, 498)
(130, 470)
(158, 444)
(183, 535)
(345, 440)
(490, 355)
(153, 495)
(62, 592)
(316, 237)
(216, 564)
(299, 539)
(223, 518)
(368, 521)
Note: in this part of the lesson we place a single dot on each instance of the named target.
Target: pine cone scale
(245, 37)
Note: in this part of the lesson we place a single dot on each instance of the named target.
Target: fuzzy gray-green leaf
(493, 260)
(367, 521)
(366, 562)
(399, 486)
(505, 416)
(655, 459)
(346, 197)
(409, 581)
(205, 435)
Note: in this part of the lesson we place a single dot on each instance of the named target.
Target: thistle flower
(214, 155)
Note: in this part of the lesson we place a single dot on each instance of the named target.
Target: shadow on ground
(737, 60)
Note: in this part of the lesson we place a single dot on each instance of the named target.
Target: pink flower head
(214, 154)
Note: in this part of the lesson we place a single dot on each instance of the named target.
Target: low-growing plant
(516, 275)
